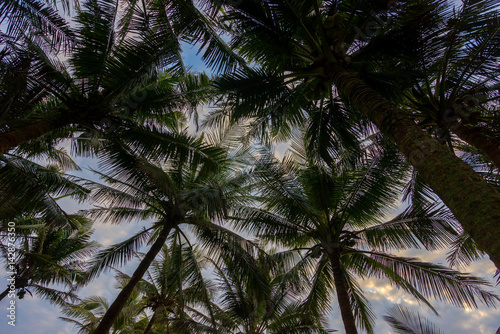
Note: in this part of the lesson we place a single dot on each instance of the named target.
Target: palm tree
(147, 179)
(175, 291)
(34, 225)
(334, 218)
(89, 311)
(453, 79)
(273, 307)
(123, 66)
(170, 298)
(305, 47)
(46, 255)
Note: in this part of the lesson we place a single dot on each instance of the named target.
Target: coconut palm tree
(452, 81)
(335, 219)
(170, 298)
(33, 225)
(306, 50)
(174, 290)
(274, 307)
(124, 66)
(46, 254)
(146, 179)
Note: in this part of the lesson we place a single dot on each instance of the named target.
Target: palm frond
(403, 321)
(463, 251)
(461, 290)
(117, 254)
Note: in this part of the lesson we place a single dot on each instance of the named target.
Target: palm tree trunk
(120, 301)
(472, 200)
(343, 296)
(5, 293)
(475, 137)
(151, 322)
(31, 130)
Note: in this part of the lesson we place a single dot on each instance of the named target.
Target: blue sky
(38, 317)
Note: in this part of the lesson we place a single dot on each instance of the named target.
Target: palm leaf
(405, 322)
(431, 280)
(117, 254)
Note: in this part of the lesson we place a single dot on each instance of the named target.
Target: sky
(36, 316)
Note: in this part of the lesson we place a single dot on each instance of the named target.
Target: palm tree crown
(335, 218)
(272, 306)
(310, 52)
(47, 255)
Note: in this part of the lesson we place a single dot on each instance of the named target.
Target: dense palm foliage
(334, 218)
(354, 82)
(453, 96)
(46, 255)
(123, 66)
(272, 306)
(308, 50)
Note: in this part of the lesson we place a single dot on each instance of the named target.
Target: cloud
(451, 320)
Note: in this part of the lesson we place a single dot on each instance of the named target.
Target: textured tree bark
(474, 202)
(32, 130)
(343, 296)
(120, 301)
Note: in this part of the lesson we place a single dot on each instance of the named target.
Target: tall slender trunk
(151, 322)
(475, 137)
(31, 130)
(120, 301)
(472, 200)
(343, 296)
(3, 294)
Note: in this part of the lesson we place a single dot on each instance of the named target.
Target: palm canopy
(172, 296)
(124, 65)
(194, 185)
(272, 306)
(453, 78)
(293, 44)
(47, 256)
(170, 188)
(391, 48)
(176, 292)
(315, 48)
(335, 218)
(390, 45)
